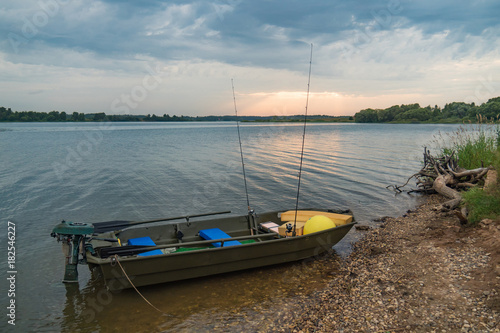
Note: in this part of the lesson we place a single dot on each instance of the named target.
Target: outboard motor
(72, 235)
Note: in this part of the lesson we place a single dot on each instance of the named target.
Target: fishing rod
(116, 225)
(251, 213)
(241, 148)
(303, 143)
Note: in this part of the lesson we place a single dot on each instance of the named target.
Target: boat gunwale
(100, 261)
(198, 219)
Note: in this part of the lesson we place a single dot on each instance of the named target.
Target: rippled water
(92, 172)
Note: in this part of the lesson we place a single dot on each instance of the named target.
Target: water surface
(91, 172)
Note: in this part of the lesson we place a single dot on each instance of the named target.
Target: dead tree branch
(443, 175)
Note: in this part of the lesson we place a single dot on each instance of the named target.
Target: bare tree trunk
(441, 187)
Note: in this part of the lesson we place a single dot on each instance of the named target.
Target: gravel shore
(421, 272)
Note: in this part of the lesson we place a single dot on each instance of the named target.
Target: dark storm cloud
(262, 33)
(381, 47)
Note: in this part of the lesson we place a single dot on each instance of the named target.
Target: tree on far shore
(452, 112)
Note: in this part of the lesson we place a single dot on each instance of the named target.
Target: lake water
(91, 172)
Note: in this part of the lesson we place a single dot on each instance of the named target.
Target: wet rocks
(362, 227)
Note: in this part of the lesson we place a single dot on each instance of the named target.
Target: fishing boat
(128, 254)
(132, 254)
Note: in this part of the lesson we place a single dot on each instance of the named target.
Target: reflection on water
(93, 172)
(193, 305)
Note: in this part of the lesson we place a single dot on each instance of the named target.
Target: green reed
(475, 145)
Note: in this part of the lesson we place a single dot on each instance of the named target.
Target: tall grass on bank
(476, 146)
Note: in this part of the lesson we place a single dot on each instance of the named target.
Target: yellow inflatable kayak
(304, 215)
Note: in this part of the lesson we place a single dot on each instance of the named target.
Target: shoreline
(421, 272)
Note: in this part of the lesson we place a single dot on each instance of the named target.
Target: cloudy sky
(178, 57)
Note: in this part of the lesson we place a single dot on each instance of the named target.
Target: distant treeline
(455, 112)
(6, 114)
(414, 113)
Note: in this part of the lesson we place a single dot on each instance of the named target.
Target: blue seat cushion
(145, 241)
(216, 233)
(150, 253)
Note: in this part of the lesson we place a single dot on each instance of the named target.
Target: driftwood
(444, 176)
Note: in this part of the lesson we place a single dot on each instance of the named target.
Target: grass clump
(476, 146)
(482, 204)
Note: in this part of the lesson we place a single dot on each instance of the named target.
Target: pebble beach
(421, 272)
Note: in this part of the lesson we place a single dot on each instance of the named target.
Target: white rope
(144, 298)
